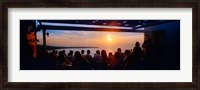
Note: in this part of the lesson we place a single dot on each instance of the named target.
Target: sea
(93, 50)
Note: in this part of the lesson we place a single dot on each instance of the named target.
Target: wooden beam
(67, 28)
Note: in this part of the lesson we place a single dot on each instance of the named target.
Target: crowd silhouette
(133, 59)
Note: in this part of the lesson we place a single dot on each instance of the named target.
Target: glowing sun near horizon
(109, 38)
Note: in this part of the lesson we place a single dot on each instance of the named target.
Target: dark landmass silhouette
(62, 47)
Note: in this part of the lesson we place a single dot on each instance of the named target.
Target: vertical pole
(44, 38)
(44, 35)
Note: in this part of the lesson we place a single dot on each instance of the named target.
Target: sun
(109, 39)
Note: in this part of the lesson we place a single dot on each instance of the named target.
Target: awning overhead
(100, 25)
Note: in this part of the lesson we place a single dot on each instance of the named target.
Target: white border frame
(17, 75)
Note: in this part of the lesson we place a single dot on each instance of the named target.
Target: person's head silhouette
(97, 52)
(137, 44)
(88, 51)
(82, 51)
(119, 50)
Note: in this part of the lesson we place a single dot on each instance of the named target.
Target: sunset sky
(103, 39)
(90, 38)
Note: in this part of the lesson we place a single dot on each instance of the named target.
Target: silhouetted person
(120, 51)
(116, 61)
(147, 47)
(89, 59)
(65, 55)
(137, 50)
(70, 56)
(137, 55)
(88, 56)
(75, 62)
(110, 56)
(104, 60)
(96, 59)
(61, 60)
(125, 60)
(82, 63)
(44, 59)
(134, 59)
(53, 58)
(82, 53)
